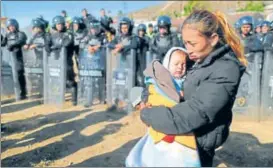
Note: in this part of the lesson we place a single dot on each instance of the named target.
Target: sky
(25, 11)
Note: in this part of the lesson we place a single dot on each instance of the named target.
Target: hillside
(150, 13)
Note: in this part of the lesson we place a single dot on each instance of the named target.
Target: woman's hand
(26, 47)
(145, 105)
(32, 46)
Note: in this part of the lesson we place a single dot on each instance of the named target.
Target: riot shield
(120, 79)
(267, 84)
(7, 85)
(150, 56)
(55, 77)
(33, 65)
(16, 66)
(92, 77)
(248, 98)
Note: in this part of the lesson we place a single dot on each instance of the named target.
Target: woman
(210, 86)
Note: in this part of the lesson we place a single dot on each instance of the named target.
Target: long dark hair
(208, 23)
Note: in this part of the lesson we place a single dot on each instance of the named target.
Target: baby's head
(175, 61)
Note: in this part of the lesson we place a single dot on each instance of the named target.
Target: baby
(172, 72)
(164, 87)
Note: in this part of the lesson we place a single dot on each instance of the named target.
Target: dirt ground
(44, 136)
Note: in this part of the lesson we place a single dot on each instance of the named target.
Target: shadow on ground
(244, 150)
(20, 106)
(68, 145)
(240, 150)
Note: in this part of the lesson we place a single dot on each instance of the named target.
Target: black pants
(71, 82)
(206, 157)
(22, 83)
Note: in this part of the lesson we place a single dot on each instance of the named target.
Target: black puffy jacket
(209, 92)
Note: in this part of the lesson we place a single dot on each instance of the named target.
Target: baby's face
(177, 65)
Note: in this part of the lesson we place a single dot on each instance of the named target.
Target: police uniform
(67, 42)
(160, 44)
(14, 42)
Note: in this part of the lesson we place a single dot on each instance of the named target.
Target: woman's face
(197, 45)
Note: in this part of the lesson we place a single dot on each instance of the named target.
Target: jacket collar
(217, 53)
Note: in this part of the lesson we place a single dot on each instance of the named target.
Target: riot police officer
(251, 42)
(237, 27)
(38, 28)
(165, 39)
(45, 22)
(265, 27)
(68, 25)
(105, 21)
(14, 40)
(150, 32)
(125, 34)
(62, 38)
(96, 37)
(87, 18)
(79, 33)
(95, 43)
(124, 42)
(144, 41)
(258, 31)
(267, 35)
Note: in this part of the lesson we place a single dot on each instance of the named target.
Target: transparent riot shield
(16, 66)
(92, 77)
(120, 79)
(55, 77)
(150, 56)
(33, 65)
(7, 84)
(267, 84)
(248, 97)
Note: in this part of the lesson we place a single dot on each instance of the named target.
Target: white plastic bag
(163, 154)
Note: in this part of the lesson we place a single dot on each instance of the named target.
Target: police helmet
(164, 21)
(58, 20)
(95, 24)
(141, 27)
(13, 22)
(246, 20)
(126, 21)
(265, 23)
(38, 23)
(79, 21)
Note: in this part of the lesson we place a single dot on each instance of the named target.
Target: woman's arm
(205, 104)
